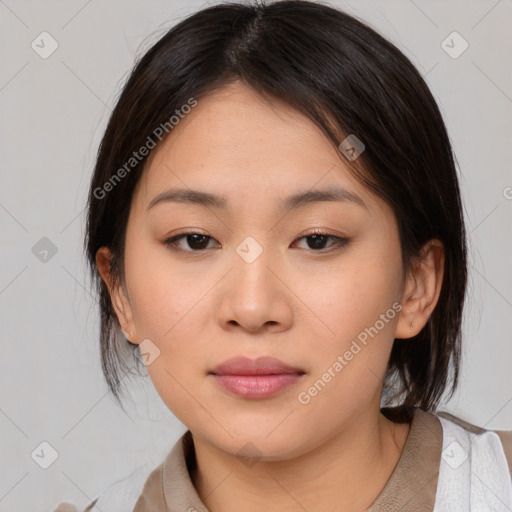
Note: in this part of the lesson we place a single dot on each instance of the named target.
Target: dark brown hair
(347, 79)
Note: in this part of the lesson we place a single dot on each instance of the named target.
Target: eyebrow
(292, 202)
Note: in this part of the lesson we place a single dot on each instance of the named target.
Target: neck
(350, 468)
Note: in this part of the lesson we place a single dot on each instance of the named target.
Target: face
(312, 282)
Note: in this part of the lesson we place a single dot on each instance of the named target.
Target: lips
(259, 378)
(260, 366)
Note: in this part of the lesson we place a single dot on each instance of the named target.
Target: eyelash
(340, 242)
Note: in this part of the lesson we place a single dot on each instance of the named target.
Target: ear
(118, 295)
(421, 290)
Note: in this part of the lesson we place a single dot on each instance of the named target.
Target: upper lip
(260, 366)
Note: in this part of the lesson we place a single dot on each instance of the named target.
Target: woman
(275, 223)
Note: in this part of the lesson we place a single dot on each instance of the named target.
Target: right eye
(196, 242)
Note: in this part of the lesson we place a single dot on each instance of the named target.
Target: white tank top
(473, 473)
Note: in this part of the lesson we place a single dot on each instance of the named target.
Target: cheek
(358, 302)
(352, 295)
(163, 296)
(168, 310)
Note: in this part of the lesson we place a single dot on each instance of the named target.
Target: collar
(412, 485)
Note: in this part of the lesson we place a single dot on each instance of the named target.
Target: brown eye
(195, 242)
(318, 241)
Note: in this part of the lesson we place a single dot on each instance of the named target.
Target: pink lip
(255, 378)
(261, 366)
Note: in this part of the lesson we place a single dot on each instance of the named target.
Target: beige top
(412, 485)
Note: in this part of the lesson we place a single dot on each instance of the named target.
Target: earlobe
(120, 302)
(422, 290)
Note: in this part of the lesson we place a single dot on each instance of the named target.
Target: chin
(253, 445)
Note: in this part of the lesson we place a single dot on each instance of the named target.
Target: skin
(301, 304)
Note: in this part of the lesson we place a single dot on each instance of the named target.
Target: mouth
(265, 365)
(263, 377)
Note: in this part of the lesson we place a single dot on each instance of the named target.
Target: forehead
(236, 142)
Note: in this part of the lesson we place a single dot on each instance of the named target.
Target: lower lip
(257, 386)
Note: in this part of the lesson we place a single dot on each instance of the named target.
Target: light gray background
(53, 113)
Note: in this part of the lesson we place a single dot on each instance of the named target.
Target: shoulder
(145, 488)
(506, 441)
(503, 437)
(152, 494)
(123, 495)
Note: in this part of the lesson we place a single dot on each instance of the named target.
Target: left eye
(318, 240)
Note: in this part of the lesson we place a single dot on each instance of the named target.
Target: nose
(254, 295)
